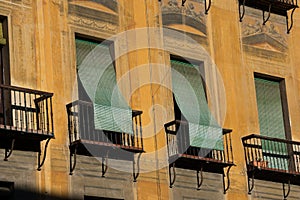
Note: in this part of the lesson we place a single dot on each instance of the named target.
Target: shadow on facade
(17, 194)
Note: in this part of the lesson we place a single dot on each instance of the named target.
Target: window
(101, 117)
(272, 155)
(97, 84)
(272, 107)
(195, 140)
(22, 110)
(190, 105)
(273, 120)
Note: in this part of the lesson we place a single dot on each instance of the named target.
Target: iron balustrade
(291, 2)
(278, 4)
(272, 159)
(25, 110)
(272, 154)
(278, 7)
(26, 119)
(178, 143)
(182, 155)
(81, 128)
(85, 139)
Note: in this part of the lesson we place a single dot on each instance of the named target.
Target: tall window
(190, 105)
(272, 107)
(97, 84)
(273, 119)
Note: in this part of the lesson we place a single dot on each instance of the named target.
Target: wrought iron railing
(178, 144)
(278, 7)
(26, 110)
(275, 3)
(291, 2)
(81, 127)
(272, 154)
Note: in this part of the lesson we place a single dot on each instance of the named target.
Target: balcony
(272, 159)
(278, 7)
(26, 119)
(86, 140)
(182, 155)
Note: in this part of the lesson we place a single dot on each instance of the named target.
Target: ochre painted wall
(43, 57)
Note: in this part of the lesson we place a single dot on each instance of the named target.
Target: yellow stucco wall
(42, 56)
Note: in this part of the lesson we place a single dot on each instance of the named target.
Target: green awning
(97, 74)
(271, 119)
(190, 97)
(269, 108)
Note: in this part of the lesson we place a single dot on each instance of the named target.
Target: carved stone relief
(269, 29)
(270, 37)
(191, 15)
(191, 9)
(93, 24)
(92, 15)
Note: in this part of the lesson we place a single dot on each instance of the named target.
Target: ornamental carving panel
(267, 41)
(189, 18)
(255, 27)
(193, 9)
(93, 24)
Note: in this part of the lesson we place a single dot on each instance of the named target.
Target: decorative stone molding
(93, 14)
(189, 10)
(266, 42)
(92, 24)
(191, 14)
(270, 29)
(189, 49)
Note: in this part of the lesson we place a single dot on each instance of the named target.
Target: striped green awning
(190, 97)
(269, 108)
(97, 74)
(271, 118)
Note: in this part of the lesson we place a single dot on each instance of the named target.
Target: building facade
(149, 99)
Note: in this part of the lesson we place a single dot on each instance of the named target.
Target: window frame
(4, 51)
(82, 95)
(200, 64)
(283, 98)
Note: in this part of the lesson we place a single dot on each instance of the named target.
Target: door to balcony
(101, 122)
(195, 140)
(26, 116)
(272, 155)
